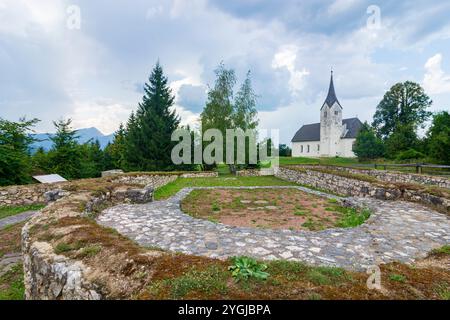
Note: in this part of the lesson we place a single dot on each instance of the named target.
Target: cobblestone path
(16, 218)
(396, 231)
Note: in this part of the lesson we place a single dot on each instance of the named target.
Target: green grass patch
(7, 211)
(173, 187)
(443, 291)
(11, 284)
(327, 275)
(224, 170)
(209, 281)
(66, 247)
(352, 217)
(442, 250)
(291, 270)
(323, 161)
(397, 277)
(90, 251)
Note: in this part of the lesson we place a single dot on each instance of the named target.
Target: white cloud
(435, 80)
(154, 12)
(286, 58)
(104, 115)
(339, 6)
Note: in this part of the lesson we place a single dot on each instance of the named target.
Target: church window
(301, 149)
(318, 147)
(307, 148)
(325, 114)
(336, 112)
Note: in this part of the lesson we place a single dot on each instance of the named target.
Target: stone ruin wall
(358, 188)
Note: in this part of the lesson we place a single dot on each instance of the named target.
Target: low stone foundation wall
(200, 174)
(34, 193)
(255, 172)
(155, 181)
(353, 187)
(23, 195)
(390, 176)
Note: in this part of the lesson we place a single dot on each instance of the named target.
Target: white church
(332, 137)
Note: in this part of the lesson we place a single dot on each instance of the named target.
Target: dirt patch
(264, 208)
(10, 239)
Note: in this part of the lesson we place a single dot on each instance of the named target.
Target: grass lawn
(7, 211)
(11, 284)
(322, 161)
(173, 187)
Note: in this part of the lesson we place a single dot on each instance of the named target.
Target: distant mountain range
(84, 135)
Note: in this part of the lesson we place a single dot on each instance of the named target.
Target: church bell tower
(330, 123)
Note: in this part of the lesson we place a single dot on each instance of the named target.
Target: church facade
(332, 137)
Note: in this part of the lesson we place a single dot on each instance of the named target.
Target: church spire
(331, 97)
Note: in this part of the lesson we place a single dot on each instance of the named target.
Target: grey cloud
(192, 97)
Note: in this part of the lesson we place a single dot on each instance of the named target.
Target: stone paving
(396, 231)
(8, 261)
(16, 218)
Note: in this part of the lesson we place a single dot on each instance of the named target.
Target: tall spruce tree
(149, 131)
(65, 156)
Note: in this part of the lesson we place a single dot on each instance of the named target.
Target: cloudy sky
(54, 66)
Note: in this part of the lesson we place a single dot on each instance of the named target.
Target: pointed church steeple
(331, 97)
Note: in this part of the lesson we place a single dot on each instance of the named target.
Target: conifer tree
(149, 131)
(65, 155)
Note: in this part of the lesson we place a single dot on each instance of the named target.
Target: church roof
(311, 132)
(331, 97)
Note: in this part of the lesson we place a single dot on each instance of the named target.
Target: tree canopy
(15, 141)
(367, 144)
(405, 104)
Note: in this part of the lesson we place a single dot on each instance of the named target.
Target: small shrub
(410, 154)
(245, 268)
